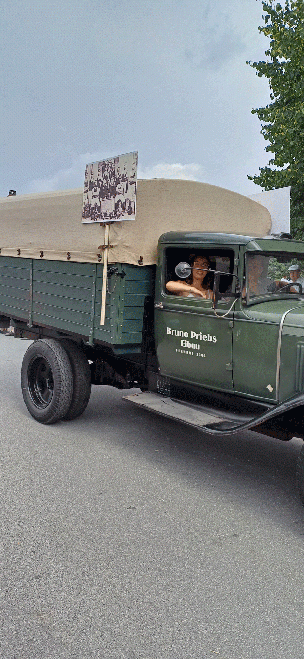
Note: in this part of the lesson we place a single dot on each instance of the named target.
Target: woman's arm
(179, 287)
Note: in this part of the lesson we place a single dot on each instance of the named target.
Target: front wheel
(47, 381)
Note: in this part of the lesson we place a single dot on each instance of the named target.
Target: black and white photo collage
(110, 189)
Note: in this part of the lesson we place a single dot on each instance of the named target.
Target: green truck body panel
(192, 345)
(203, 238)
(67, 297)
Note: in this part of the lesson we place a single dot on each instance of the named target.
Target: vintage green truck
(232, 362)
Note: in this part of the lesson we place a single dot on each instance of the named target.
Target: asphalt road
(125, 535)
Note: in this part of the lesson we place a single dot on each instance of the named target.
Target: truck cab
(245, 346)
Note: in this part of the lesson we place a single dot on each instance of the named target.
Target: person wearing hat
(294, 274)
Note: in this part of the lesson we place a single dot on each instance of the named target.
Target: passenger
(295, 278)
(198, 284)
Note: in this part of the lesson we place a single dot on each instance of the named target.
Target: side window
(189, 273)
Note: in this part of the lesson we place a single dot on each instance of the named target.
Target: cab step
(190, 414)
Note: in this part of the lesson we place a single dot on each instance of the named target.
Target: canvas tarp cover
(49, 225)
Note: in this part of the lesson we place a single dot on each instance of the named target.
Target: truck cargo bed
(67, 297)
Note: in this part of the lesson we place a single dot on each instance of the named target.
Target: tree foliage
(283, 118)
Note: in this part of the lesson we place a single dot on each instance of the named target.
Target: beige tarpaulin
(49, 225)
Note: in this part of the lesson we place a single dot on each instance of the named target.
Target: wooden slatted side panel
(15, 287)
(67, 296)
(63, 297)
(137, 285)
(113, 307)
(125, 301)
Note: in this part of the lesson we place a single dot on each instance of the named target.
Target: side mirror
(183, 270)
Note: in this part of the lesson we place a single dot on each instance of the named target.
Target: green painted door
(193, 344)
(255, 354)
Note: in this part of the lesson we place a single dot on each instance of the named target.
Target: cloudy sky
(84, 80)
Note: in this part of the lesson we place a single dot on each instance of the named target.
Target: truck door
(257, 331)
(193, 344)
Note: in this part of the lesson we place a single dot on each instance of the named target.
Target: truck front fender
(283, 421)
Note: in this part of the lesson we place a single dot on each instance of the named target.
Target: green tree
(283, 118)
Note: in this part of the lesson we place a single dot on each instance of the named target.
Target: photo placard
(109, 193)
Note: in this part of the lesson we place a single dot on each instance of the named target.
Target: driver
(294, 273)
(294, 277)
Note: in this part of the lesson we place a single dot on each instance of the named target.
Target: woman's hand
(198, 293)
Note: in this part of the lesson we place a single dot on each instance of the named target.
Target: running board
(207, 421)
(173, 409)
(191, 415)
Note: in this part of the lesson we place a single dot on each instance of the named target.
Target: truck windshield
(274, 274)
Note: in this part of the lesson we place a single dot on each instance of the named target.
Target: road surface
(125, 535)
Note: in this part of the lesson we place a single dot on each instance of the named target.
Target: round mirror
(183, 270)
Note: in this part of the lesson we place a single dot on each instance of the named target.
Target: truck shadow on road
(255, 470)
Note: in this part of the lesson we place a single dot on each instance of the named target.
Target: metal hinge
(229, 367)
(158, 305)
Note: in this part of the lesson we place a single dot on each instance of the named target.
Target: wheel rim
(40, 382)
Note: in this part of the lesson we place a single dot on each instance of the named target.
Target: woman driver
(198, 284)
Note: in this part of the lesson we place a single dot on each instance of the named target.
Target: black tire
(81, 380)
(300, 474)
(47, 381)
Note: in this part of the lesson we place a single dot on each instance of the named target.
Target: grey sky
(87, 79)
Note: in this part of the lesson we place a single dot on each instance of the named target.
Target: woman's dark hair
(208, 281)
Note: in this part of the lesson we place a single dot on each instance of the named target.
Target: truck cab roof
(267, 243)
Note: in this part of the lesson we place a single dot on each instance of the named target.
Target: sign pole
(109, 195)
(104, 275)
